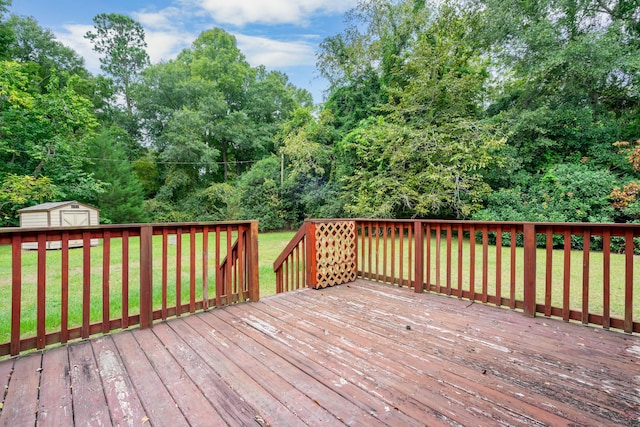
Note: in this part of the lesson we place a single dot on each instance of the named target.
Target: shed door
(74, 218)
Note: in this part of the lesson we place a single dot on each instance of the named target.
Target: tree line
(483, 109)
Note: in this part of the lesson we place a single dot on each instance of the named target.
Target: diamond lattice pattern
(335, 253)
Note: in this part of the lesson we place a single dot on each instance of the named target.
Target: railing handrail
(295, 241)
(244, 274)
(451, 257)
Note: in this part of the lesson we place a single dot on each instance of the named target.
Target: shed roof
(44, 207)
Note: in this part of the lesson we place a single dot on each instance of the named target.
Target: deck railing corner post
(146, 276)
(311, 262)
(418, 277)
(529, 269)
(253, 273)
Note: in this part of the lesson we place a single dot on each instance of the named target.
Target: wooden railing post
(146, 276)
(252, 262)
(311, 262)
(418, 284)
(529, 270)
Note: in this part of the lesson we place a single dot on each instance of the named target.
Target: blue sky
(280, 34)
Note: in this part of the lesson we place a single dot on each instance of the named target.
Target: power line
(170, 163)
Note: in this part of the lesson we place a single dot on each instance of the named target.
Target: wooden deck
(358, 354)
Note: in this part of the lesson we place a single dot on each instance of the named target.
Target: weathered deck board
(55, 402)
(358, 354)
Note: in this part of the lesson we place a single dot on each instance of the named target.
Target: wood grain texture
(357, 354)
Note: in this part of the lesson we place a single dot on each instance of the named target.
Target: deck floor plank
(385, 376)
(122, 398)
(158, 404)
(21, 401)
(483, 355)
(369, 400)
(55, 406)
(358, 354)
(194, 405)
(6, 369)
(90, 406)
(257, 339)
(584, 379)
(231, 407)
(250, 378)
(418, 371)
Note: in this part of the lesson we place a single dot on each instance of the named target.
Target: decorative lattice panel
(335, 253)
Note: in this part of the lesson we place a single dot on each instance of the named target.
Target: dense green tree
(568, 74)
(259, 196)
(6, 33)
(120, 40)
(43, 130)
(210, 116)
(122, 200)
(421, 152)
(34, 44)
(19, 191)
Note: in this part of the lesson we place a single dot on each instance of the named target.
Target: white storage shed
(59, 214)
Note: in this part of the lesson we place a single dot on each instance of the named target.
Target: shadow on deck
(357, 354)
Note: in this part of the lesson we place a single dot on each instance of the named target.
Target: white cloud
(165, 45)
(275, 54)
(73, 36)
(297, 12)
(172, 29)
(163, 19)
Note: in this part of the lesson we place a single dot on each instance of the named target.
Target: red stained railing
(145, 273)
(574, 271)
(291, 266)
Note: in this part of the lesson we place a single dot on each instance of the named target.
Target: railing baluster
(549, 272)
(219, 284)
(106, 269)
(566, 292)
(192, 269)
(606, 273)
(165, 267)
(86, 284)
(438, 238)
(586, 248)
(628, 282)
(228, 292)
(205, 267)
(460, 274)
(146, 276)
(64, 303)
(393, 254)
(485, 264)
(41, 298)
(472, 263)
(419, 265)
(401, 254)
(377, 228)
(178, 271)
(449, 238)
(384, 255)
(125, 279)
(428, 238)
(529, 270)
(499, 265)
(16, 292)
(512, 283)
